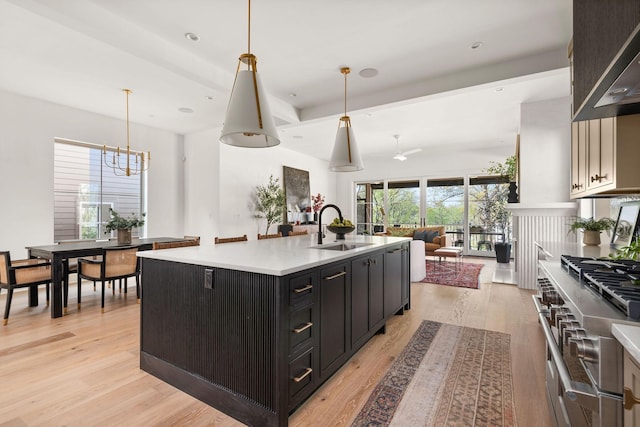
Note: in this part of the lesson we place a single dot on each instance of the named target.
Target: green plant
(507, 169)
(590, 224)
(632, 251)
(116, 222)
(270, 202)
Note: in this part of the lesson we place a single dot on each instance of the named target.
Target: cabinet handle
(335, 276)
(303, 328)
(629, 399)
(303, 376)
(576, 186)
(303, 289)
(394, 251)
(598, 178)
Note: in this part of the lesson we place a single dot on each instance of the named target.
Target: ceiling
(432, 88)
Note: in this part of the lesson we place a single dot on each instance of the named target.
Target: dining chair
(70, 266)
(179, 244)
(242, 238)
(299, 233)
(269, 236)
(21, 274)
(119, 262)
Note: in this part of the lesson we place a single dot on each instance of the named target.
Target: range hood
(617, 92)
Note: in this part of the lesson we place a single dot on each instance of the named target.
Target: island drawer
(301, 289)
(301, 328)
(300, 377)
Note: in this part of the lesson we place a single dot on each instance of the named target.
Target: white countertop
(277, 257)
(629, 337)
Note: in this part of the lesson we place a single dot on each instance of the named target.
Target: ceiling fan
(402, 155)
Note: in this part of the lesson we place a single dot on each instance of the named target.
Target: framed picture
(627, 224)
(297, 194)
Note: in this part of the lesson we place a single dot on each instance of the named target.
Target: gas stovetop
(617, 281)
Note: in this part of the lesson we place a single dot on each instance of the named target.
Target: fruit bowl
(340, 230)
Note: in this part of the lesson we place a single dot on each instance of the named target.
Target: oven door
(572, 397)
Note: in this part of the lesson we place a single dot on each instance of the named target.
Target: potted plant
(592, 228)
(508, 170)
(632, 251)
(270, 202)
(123, 225)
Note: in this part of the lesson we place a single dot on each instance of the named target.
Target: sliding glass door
(471, 209)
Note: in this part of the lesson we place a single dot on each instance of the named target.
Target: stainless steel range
(579, 298)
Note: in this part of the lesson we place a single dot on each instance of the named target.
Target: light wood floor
(83, 369)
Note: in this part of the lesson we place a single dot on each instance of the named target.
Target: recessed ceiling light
(185, 110)
(367, 73)
(476, 45)
(293, 94)
(192, 36)
(499, 89)
(297, 136)
(208, 98)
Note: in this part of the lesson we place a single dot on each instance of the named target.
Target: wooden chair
(299, 233)
(180, 244)
(21, 274)
(118, 262)
(269, 236)
(242, 238)
(70, 266)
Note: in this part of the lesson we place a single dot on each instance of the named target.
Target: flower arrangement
(318, 201)
(116, 222)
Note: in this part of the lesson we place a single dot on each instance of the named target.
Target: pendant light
(249, 122)
(345, 156)
(126, 169)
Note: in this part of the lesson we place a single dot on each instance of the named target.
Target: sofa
(434, 237)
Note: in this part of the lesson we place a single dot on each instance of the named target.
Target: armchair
(21, 274)
(118, 262)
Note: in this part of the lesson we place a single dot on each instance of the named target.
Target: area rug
(446, 376)
(466, 275)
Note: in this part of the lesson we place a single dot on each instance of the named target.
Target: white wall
(27, 129)
(545, 151)
(221, 181)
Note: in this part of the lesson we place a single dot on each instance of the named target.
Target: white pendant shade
(345, 156)
(242, 125)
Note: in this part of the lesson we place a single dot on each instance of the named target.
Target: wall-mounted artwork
(297, 194)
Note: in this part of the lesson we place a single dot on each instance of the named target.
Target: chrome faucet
(320, 219)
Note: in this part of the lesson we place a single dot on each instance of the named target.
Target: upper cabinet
(606, 39)
(604, 156)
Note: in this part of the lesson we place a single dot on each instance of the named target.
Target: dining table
(59, 254)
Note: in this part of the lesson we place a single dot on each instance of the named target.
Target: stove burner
(615, 280)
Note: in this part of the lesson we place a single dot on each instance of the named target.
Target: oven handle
(584, 393)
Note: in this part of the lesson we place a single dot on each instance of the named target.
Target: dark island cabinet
(256, 346)
(367, 297)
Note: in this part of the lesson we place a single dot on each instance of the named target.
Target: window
(84, 189)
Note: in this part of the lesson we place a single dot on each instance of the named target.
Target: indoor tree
(270, 202)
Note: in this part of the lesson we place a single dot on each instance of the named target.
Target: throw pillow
(420, 235)
(430, 236)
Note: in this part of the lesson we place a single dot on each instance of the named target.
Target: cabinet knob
(598, 178)
(629, 399)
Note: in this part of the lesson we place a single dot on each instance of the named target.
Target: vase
(315, 217)
(124, 236)
(591, 238)
(513, 193)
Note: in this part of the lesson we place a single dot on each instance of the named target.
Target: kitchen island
(254, 328)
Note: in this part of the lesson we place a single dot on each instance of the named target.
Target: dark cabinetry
(367, 297)
(255, 346)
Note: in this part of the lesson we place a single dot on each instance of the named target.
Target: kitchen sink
(343, 246)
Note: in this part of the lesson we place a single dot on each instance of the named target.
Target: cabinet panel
(607, 151)
(359, 298)
(578, 156)
(632, 381)
(376, 291)
(333, 316)
(392, 281)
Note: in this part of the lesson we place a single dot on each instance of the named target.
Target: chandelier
(126, 166)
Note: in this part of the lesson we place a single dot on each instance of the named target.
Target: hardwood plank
(83, 369)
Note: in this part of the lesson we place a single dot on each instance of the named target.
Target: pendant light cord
(249, 29)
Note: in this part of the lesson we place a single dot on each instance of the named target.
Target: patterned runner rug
(446, 376)
(464, 275)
